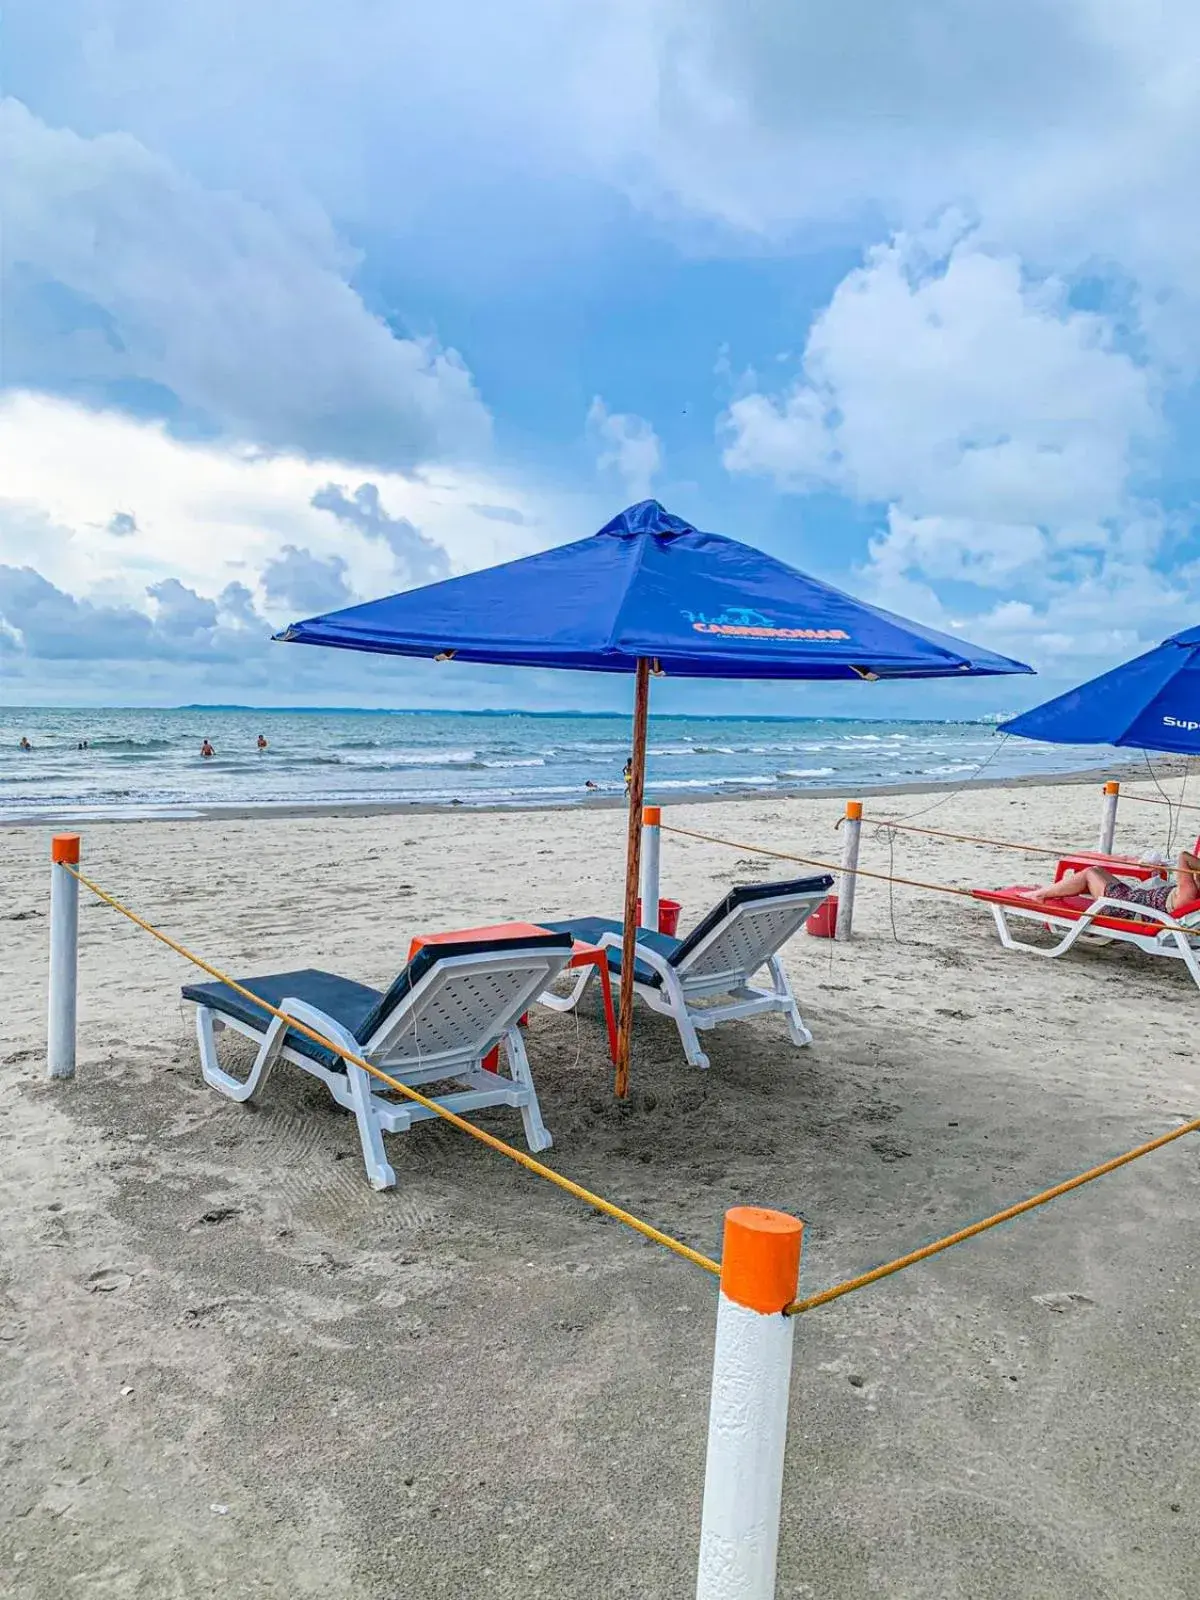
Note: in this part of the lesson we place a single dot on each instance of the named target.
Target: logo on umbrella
(741, 622)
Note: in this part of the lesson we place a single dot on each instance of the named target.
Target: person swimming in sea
(24, 744)
(206, 751)
(262, 741)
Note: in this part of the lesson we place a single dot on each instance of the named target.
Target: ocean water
(148, 762)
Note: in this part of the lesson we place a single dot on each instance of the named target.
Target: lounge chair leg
(537, 1135)
(677, 1007)
(379, 1174)
(1184, 945)
(799, 1033)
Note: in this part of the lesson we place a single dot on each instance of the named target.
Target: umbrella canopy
(650, 587)
(650, 594)
(1150, 703)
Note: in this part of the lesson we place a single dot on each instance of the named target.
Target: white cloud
(417, 559)
(129, 279)
(45, 623)
(1002, 428)
(627, 446)
(297, 581)
(221, 548)
(955, 386)
(1071, 127)
(211, 515)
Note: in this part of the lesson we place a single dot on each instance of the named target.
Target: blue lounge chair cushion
(588, 930)
(676, 951)
(342, 999)
(357, 1006)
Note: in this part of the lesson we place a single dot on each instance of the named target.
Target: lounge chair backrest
(751, 924)
(461, 997)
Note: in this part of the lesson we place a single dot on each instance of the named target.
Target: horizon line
(985, 719)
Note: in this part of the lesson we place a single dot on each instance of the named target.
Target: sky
(306, 304)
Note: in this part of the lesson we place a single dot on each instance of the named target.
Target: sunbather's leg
(1092, 880)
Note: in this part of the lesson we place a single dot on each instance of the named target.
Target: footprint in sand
(107, 1280)
(1063, 1300)
(215, 1217)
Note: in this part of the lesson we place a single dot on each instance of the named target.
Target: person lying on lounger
(1159, 895)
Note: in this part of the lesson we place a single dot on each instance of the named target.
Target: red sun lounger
(1157, 933)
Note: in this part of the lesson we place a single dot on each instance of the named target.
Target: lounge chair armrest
(648, 957)
(1128, 908)
(313, 1017)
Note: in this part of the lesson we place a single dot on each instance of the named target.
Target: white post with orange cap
(648, 888)
(851, 834)
(64, 956)
(1108, 817)
(747, 1426)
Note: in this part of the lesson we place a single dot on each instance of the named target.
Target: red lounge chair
(1158, 933)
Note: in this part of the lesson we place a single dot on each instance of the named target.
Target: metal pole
(64, 956)
(633, 858)
(651, 856)
(851, 832)
(747, 1426)
(1108, 817)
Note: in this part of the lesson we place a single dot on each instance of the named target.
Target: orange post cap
(854, 810)
(1112, 787)
(64, 847)
(651, 816)
(760, 1260)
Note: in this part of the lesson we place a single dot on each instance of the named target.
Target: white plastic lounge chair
(725, 949)
(446, 1011)
(1157, 933)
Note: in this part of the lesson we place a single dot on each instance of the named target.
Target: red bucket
(668, 916)
(823, 922)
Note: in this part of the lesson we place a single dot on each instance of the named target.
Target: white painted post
(64, 956)
(1108, 817)
(651, 857)
(747, 1427)
(851, 833)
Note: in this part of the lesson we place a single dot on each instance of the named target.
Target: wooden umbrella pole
(633, 864)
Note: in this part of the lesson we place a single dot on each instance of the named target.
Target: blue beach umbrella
(651, 588)
(1149, 703)
(650, 595)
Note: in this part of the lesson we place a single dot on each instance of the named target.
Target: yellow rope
(1153, 800)
(969, 838)
(519, 1156)
(811, 861)
(797, 1307)
(888, 877)
(810, 1302)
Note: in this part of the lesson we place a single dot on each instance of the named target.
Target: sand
(228, 1367)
